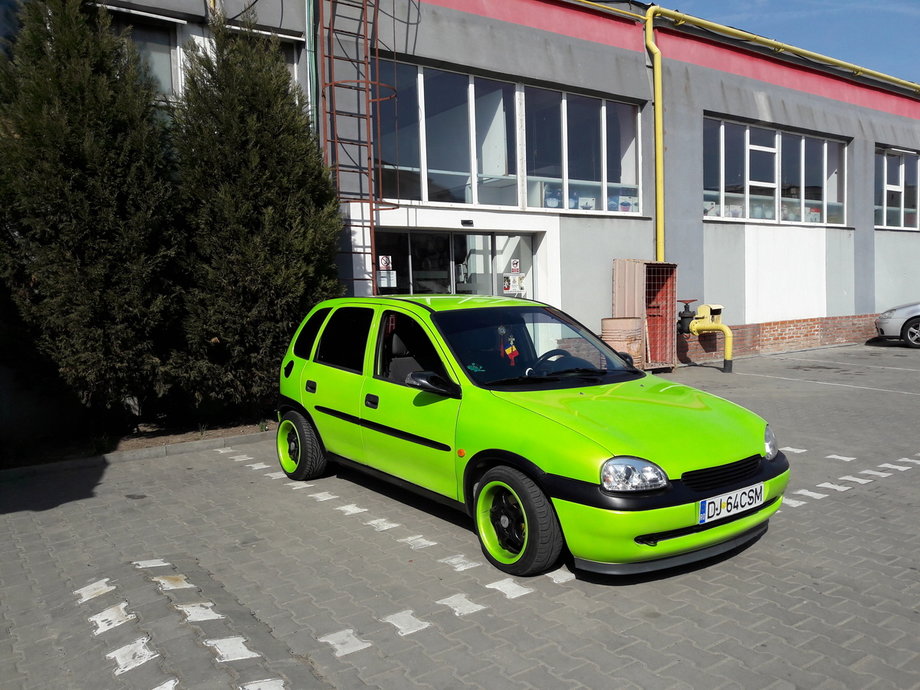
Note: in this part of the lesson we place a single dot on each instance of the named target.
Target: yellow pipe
(658, 109)
(697, 327)
(680, 18)
(607, 9)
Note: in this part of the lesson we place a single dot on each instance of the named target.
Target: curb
(166, 450)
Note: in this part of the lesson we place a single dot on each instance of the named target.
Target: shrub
(86, 237)
(263, 218)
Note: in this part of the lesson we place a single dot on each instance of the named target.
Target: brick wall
(777, 336)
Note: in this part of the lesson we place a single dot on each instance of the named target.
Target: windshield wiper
(521, 379)
(582, 371)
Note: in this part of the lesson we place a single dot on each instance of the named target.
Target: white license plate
(721, 507)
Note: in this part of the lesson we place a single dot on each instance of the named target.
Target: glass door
(472, 261)
(453, 263)
(514, 265)
(430, 254)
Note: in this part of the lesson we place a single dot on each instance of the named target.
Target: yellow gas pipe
(708, 319)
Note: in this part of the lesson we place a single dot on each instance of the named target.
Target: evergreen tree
(263, 215)
(84, 184)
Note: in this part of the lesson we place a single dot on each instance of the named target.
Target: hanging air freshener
(509, 350)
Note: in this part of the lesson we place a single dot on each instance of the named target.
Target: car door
(409, 433)
(333, 382)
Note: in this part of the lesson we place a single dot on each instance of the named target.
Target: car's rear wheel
(299, 450)
(910, 333)
(516, 523)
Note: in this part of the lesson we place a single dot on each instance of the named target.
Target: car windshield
(528, 347)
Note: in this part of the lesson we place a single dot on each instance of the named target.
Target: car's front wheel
(516, 523)
(299, 450)
(910, 333)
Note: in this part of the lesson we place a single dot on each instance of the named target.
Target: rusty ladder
(349, 91)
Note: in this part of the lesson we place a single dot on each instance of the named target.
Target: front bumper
(636, 541)
(888, 328)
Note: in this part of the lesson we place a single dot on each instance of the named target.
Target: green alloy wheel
(299, 451)
(516, 523)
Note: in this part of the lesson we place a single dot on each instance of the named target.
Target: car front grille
(724, 475)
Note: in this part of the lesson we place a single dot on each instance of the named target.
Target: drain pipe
(658, 110)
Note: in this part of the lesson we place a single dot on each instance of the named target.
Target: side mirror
(626, 357)
(431, 382)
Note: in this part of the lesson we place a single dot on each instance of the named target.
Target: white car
(900, 323)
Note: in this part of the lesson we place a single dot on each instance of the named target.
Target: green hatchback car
(515, 413)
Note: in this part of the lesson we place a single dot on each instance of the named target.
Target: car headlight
(886, 314)
(770, 449)
(626, 473)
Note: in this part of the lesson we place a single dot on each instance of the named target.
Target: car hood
(675, 426)
(910, 306)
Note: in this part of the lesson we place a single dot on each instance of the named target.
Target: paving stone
(289, 569)
(442, 679)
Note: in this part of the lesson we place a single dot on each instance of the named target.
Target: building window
(397, 144)
(543, 119)
(584, 149)
(496, 142)
(156, 42)
(290, 52)
(896, 174)
(752, 172)
(447, 136)
(452, 138)
(622, 142)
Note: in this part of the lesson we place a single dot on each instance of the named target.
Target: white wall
(897, 279)
(785, 273)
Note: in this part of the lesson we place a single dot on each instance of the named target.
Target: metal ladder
(348, 59)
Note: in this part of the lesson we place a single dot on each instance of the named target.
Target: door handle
(371, 401)
(311, 386)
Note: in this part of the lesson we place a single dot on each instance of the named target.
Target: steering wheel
(549, 354)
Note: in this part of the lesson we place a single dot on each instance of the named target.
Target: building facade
(522, 146)
(515, 152)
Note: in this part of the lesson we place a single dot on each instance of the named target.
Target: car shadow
(38, 489)
(434, 508)
(405, 496)
(885, 343)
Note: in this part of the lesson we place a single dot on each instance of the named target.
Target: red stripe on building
(746, 64)
(566, 20)
(584, 24)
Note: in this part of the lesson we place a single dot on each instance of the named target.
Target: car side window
(404, 347)
(303, 346)
(344, 339)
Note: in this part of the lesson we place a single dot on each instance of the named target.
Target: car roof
(438, 303)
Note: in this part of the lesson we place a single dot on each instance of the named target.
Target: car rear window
(344, 339)
(303, 346)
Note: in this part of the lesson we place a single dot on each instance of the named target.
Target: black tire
(517, 526)
(299, 450)
(910, 332)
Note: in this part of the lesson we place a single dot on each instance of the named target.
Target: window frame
(319, 356)
(906, 160)
(128, 19)
(380, 353)
(308, 336)
(630, 204)
(781, 210)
